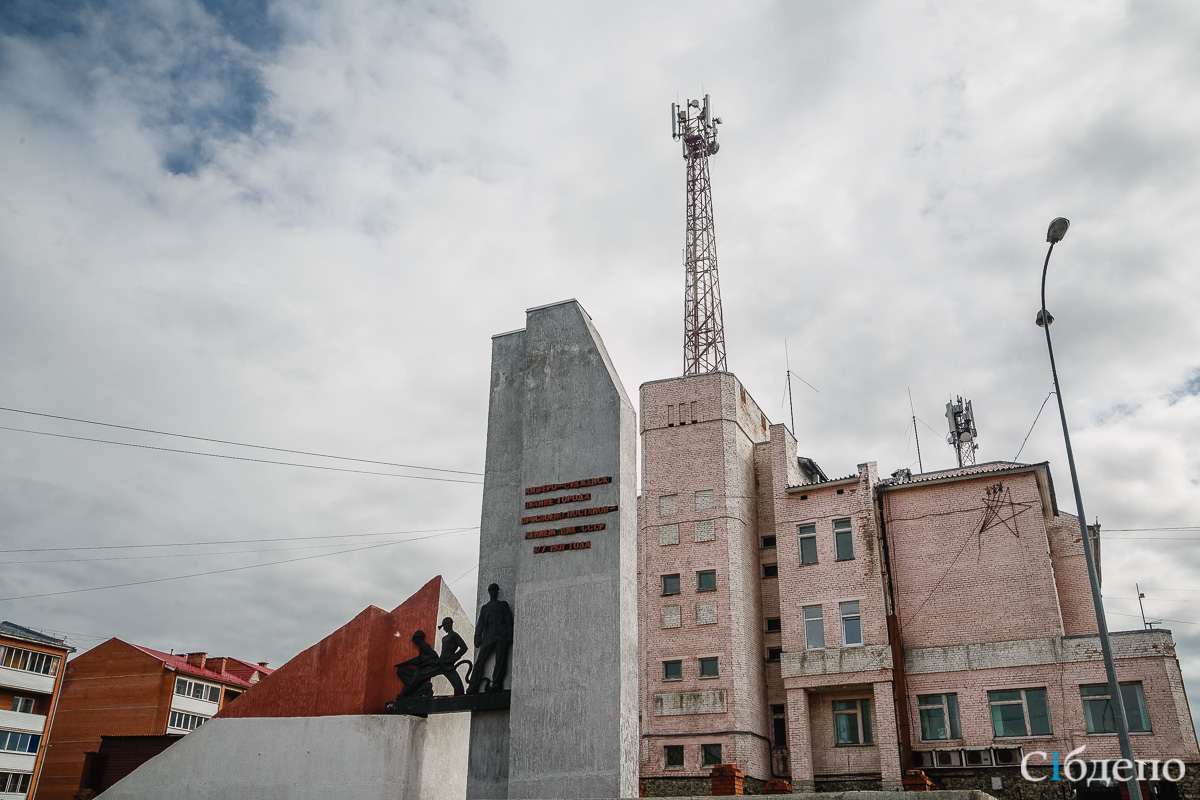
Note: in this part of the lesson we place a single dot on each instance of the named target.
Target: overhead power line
(236, 444)
(243, 458)
(231, 541)
(215, 571)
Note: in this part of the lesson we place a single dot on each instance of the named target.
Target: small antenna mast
(916, 438)
(791, 409)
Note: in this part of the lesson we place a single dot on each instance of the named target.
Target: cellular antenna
(962, 431)
(703, 324)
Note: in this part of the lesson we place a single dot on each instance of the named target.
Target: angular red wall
(350, 671)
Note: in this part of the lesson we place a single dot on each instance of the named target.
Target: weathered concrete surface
(964, 794)
(309, 758)
(558, 413)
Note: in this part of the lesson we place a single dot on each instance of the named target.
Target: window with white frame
(19, 742)
(23, 705)
(843, 540)
(851, 624)
(814, 628)
(1020, 712)
(28, 660)
(939, 717)
(808, 543)
(852, 722)
(185, 722)
(15, 782)
(1098, 708)
(200, 691)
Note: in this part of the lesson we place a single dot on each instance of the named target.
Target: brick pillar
(726, 780)
(799, 741)
(886, 737)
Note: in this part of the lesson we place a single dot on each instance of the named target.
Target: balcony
(26, 723)
(30, 681)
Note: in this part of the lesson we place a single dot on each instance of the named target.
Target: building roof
(241, 676)
(960, 472)
(14, 631)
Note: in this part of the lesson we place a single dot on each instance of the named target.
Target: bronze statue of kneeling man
(416, 673)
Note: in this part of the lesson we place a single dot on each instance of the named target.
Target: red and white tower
(703, 326)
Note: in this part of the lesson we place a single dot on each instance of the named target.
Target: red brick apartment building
(118, 689)
(837, 633)
(30, 681)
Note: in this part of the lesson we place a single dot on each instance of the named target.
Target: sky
(297, 224)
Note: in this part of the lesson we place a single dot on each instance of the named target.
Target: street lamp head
(1043, 321)
(1058, 229)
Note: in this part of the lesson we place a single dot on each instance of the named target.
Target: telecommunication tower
(703, 325)
(962, 431)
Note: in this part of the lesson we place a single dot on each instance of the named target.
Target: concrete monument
(558, 540)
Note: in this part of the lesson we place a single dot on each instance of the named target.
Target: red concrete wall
(350, 671)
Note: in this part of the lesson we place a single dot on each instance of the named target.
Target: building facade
(30, 681)
(839, 633)
(122, 689)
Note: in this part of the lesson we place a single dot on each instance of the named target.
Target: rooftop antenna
(962, 431)
(916, 438)
(788, 365)
(703, 324)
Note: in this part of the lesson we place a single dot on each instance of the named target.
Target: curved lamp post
(1058, 229)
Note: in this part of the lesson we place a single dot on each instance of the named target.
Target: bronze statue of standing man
(493, 634)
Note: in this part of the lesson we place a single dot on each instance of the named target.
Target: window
(670, 584)
(23, 705)
(774, 653)
(808, 544)
(852, 722)
(1020, 712)
(1098, 711)
(200, 691)
(851, 624)
(710, 754)
(668, 534)
(16, 742)
(28, 660)
(673, 756)
(814, 628)
(768, 542)
(672, 617)
(185, 722)
(708, 668)
(843, 539)
(672, 670)
(939, 717)
(706, 581)
(14, 782)
(704, 500)
(774, 625)
(779, 725)
(706, 530)
(668, 505)
(770, 570)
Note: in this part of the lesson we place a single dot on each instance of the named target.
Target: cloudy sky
(296, 224)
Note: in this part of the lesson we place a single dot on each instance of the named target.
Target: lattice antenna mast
(961, 419)
(703, 325)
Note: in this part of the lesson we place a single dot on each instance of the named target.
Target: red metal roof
(239, 677)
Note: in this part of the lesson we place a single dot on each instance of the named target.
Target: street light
(1058, 229)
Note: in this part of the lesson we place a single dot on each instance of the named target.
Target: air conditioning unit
(977, 758)
(948, 758)
(922, 758)
(1006, 756)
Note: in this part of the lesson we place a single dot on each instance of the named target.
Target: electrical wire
(236, 444)
(242, 458)
(215, 571)
(231, 541)
(1035, 422)
(1156, 619)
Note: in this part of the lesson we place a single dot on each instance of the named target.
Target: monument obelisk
(558, 537)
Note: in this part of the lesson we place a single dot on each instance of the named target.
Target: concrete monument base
(364, 757)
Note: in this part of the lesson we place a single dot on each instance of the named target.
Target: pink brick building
(837, 633)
